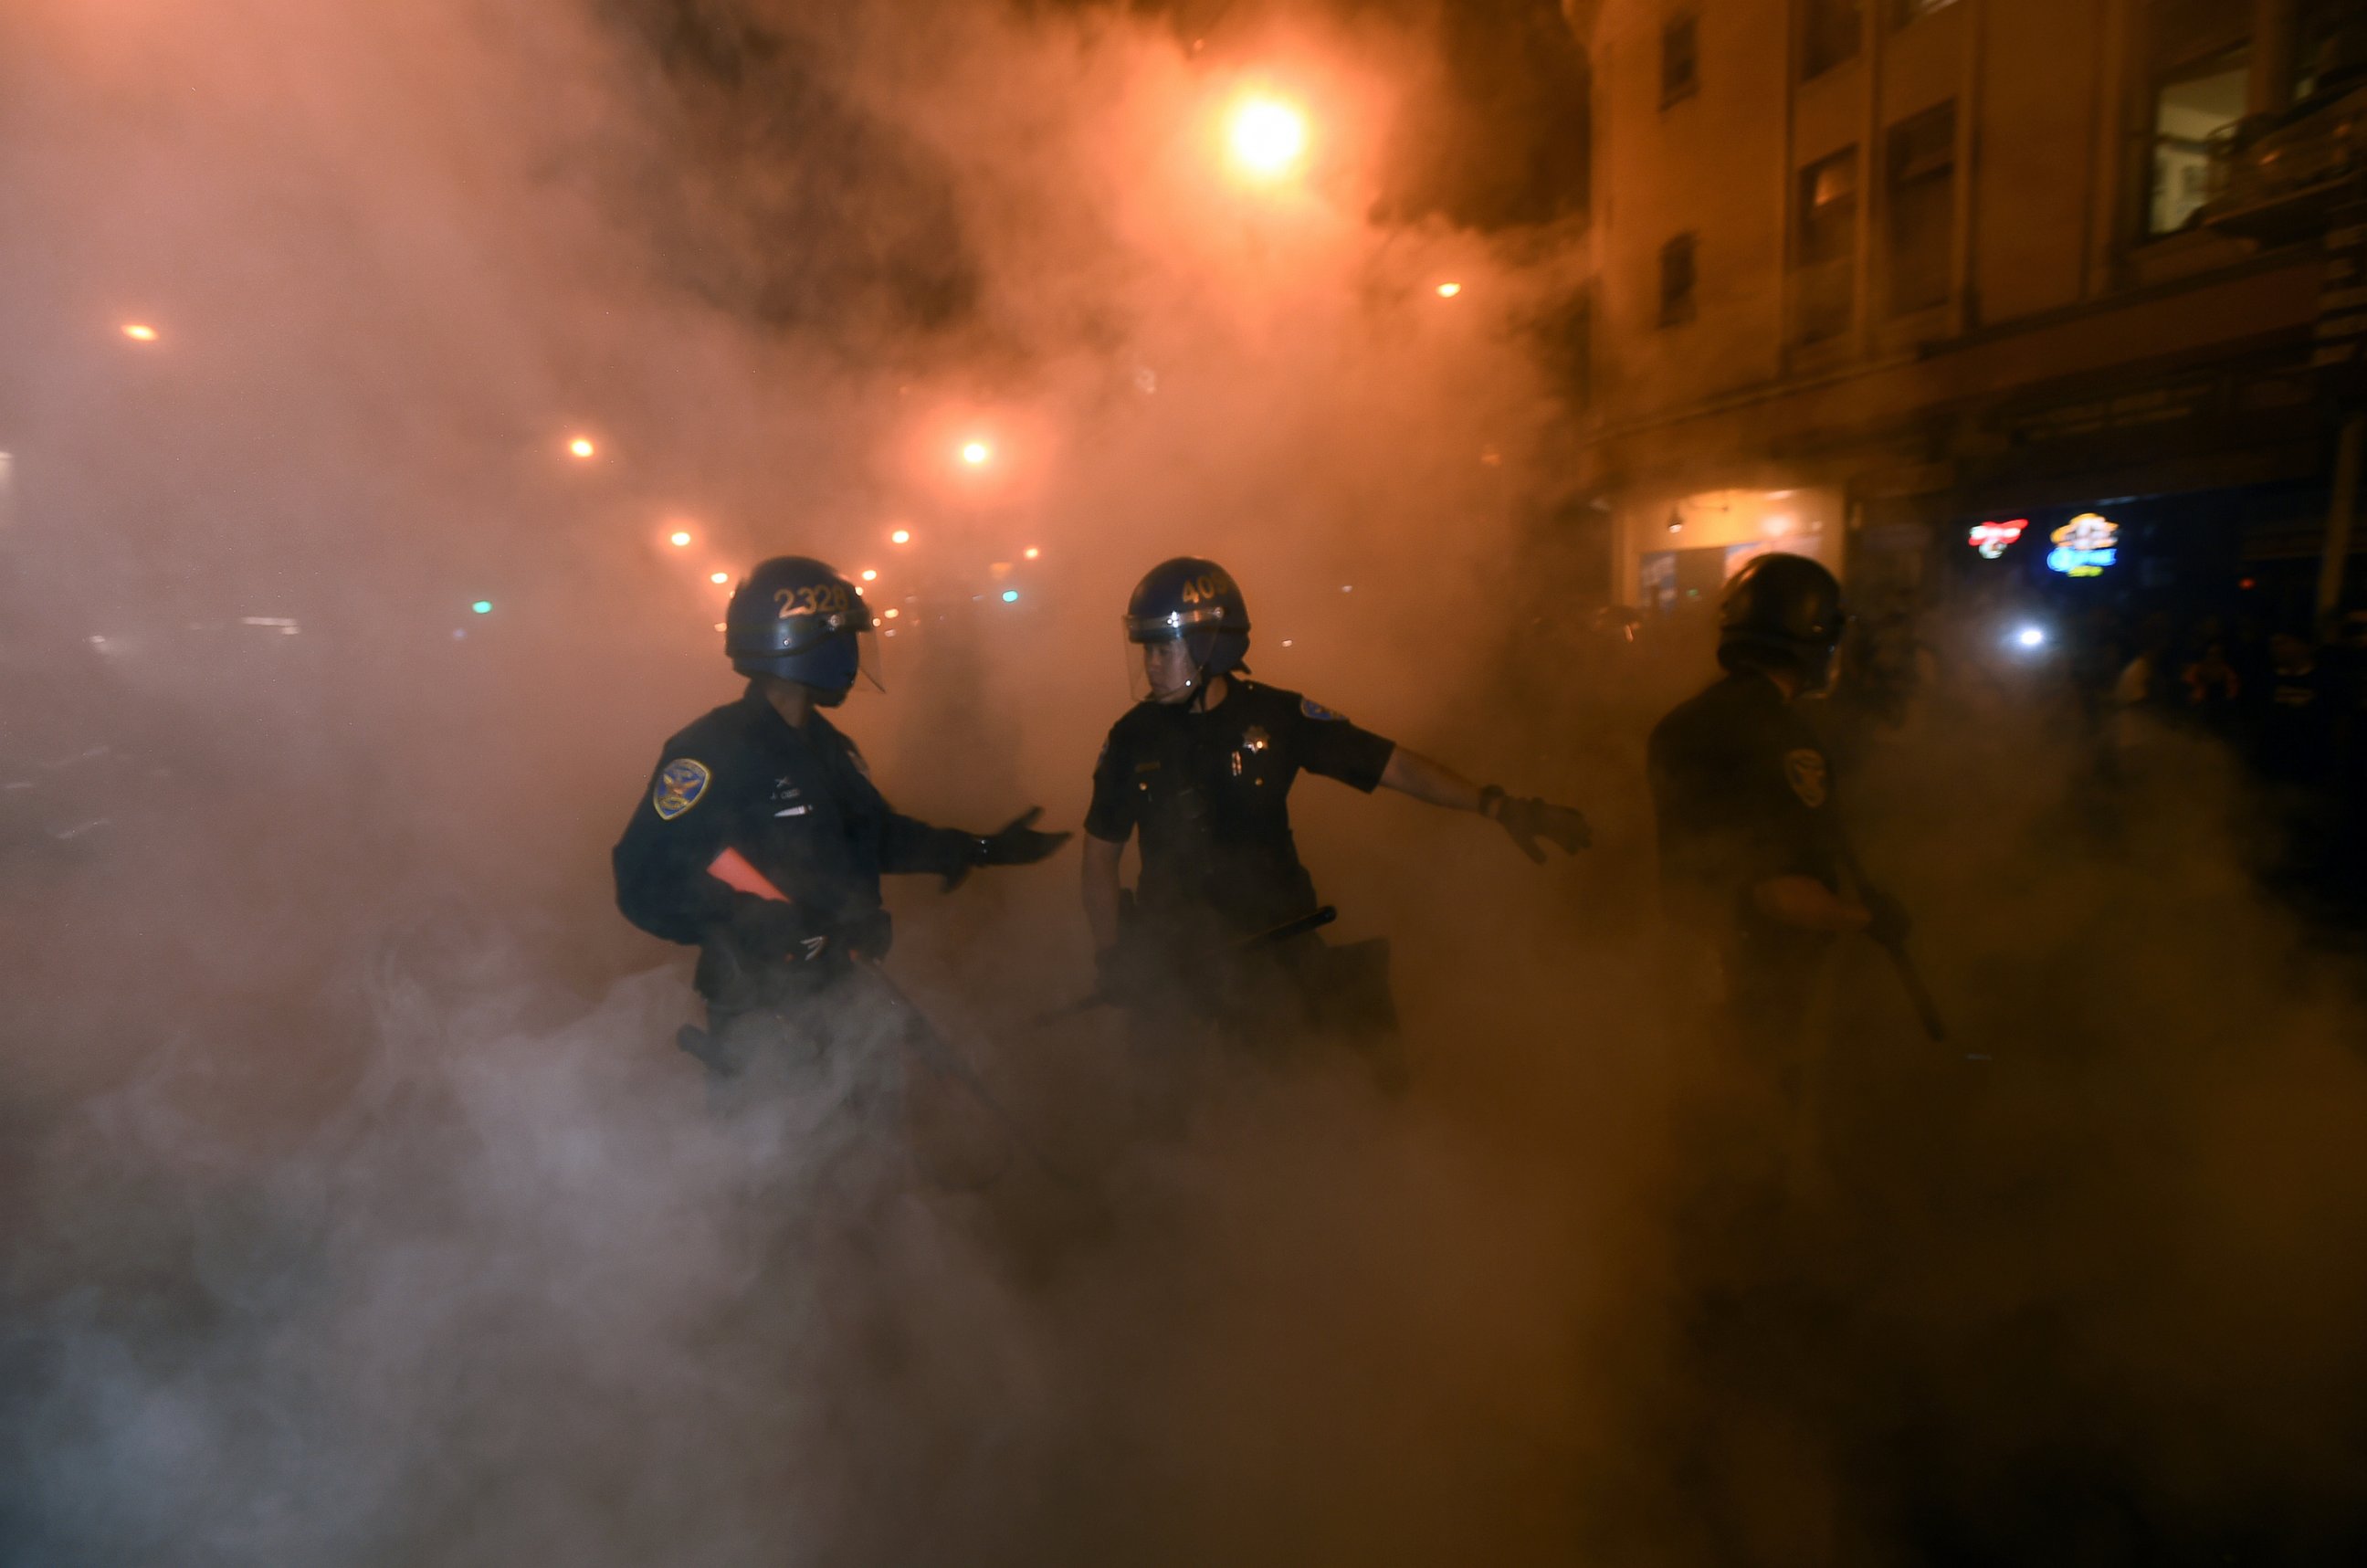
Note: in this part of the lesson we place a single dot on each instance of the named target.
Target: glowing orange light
(719, 626)
(678, 538)
(581, 447)
(894, 613)
(1268, 136)
(140, 331)
(901, 536)
(719, 578)
(871, 577)
(1032, 552)
(976, 452)
(1448, 290)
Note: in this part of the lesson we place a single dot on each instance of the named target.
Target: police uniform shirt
(797, 805)
(1209, 793)
(1741, 791)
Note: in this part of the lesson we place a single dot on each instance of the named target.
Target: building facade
(1930, 287)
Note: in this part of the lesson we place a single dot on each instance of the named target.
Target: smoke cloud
(363, 1210)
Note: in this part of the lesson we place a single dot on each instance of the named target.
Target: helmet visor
(868, 662)
(1161, 669)
(1175, 623)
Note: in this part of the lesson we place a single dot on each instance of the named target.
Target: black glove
(1016, 843)
(1528, 819)
(768, 931)
(1890, 925)
(869, 935)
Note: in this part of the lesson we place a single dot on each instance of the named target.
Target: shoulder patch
(681, 785)
(1804, 770)
(1315, 710)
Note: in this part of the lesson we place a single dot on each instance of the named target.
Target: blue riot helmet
(1186, 621)
(1782, 609)
(796, 618)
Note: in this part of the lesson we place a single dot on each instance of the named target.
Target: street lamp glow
(483, 606)
(976, 452)
(901, 536)
(679, 537)
(1448, 290)
(1010, 596)
(719, 578)
(581, 445)
(140, 331)
(894, 613)
(2030, 636)
(1268, 136)
(1032, 552)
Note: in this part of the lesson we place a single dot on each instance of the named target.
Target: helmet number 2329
(823, 598)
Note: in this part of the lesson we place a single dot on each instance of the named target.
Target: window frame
(1814, 65)
(1811, 269)
(1686, 23)
(2225, 56)
(1936, 165)
(1679, 306)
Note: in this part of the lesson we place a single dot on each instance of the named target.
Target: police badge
(680, 784)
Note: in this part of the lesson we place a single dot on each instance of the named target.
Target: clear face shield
(1160, 662)
(842, 662)
(867, 663)
(1161, 670)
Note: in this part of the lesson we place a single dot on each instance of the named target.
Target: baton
(1917, 995)
(1102, 996)
(1911, 979)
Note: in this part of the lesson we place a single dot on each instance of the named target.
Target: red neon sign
(1990, 539)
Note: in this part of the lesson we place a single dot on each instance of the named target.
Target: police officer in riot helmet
(1753, 861)
(761, 839)
(1202, 768)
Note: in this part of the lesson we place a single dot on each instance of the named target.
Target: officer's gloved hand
(1016, 843)
(1890, 924)
(773, 931)
(1528, 819)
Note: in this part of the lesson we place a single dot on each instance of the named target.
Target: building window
(2195, 110)
(1906, 12)
(1921, 207)
(1831, 36)
(1677, 280)
(1679, 59)
(1825, 255)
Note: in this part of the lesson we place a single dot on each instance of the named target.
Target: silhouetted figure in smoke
(761, 838)
(1202, 768)
(1752, 861)
(1756, 876)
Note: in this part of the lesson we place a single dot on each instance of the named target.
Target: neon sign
(2085, 546)
(1990, 539)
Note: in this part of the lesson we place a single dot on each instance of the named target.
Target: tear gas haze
(395, 393)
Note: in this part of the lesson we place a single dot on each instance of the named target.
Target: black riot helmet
(797, 618)
(1784, 610)
(1194, 602)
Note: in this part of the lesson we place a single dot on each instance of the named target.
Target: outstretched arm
(1524, 817)
(1410, 773)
